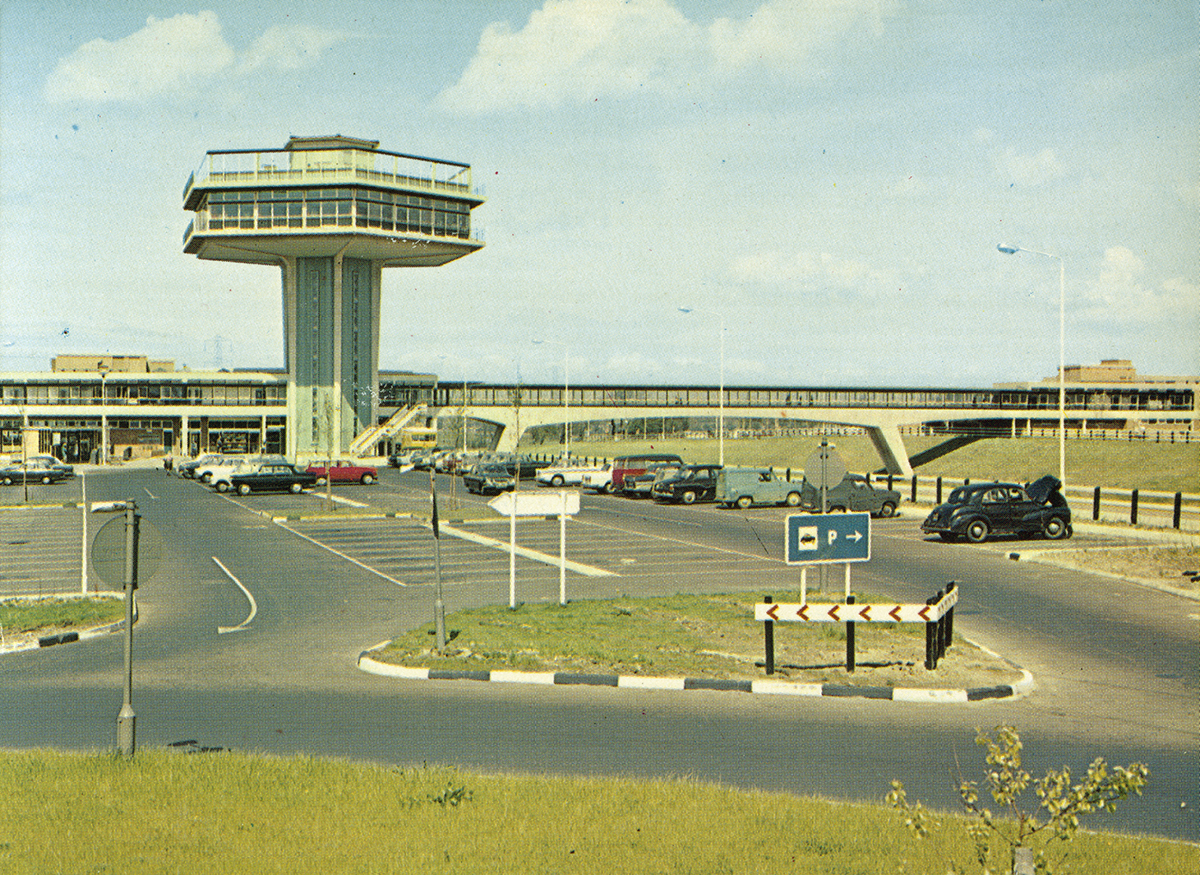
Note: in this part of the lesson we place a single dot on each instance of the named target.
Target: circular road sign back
(108, 551)
(824, 467)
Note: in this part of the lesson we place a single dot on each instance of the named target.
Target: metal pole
(769, 638)
(439, 607)
(1062, 368)
(562, 550)
(721, 400)
(126, 719)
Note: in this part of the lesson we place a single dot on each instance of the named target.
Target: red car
(344, 472)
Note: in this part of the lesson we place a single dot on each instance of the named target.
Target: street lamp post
(126, 719)
(103, 415)
(721, 388)
(1062, 365)
(566, 397)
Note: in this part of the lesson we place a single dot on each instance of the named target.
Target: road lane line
(339, 553)
(221, 630)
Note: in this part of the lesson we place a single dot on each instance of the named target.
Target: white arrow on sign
(540, 503)
(856, 537)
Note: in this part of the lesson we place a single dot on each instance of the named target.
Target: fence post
(889, 482)
(1096, 503)
(939, 490)
(914, 489)
(769, 639)
(1178, 510)
(850, 639)
(930, 645)
(950, 587)
(1133, 503)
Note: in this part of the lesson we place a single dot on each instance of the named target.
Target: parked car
(488, 478)
(403, 458)
(270, 477)
(567, 472)
(188, 469)
(855, 494)
(204, 473)
(48, 461)
(598, 481)
(744, 487)
(641, 485)
(981, 510)
(689, 484)
(24, 472)
(344, 472)
(632, 466)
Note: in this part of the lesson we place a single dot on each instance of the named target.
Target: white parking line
(339, 553)
(221, 630)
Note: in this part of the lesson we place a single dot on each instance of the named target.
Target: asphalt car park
(42, 548)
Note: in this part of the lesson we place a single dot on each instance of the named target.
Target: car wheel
(243, 489)
(320, 481)
(295, 488)
(206, 478)
(46, 480)
(837, 508)
(793, 499)
(688, 497)
(557, 480)
(8, 481)
(888, 509)
(1054, 528)
(744, 502)
(977, 531)
(222, 486)
(367, 479)
(608, 488)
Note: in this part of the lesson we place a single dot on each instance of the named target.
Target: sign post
(561, 503)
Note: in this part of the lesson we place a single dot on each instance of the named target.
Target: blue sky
(830, 179)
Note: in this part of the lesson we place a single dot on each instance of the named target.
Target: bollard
(850, 640)
(1096, 503)
(1133, 503)
(769, 640)
(1178, 510)
(939, 491)
(889, 481)
(914, 489)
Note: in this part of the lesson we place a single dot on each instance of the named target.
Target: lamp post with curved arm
(1062, 321)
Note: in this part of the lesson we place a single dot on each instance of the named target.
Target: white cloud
(159, 58)
(1029, 170)
(289, 48)
(1120, 292)
(169, 55)
(578, 50)
(808, 270)
(782, 33)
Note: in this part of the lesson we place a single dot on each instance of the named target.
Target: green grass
(692, 636)
(1119, 464)
(163, 811)
(22, 615)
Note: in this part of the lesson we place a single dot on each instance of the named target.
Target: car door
(998, 509)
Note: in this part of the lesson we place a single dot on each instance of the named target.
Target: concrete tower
(331, 212)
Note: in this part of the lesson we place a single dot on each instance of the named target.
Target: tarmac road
(1116, 665)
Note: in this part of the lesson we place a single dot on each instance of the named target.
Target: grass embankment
(1118, 464)
(241, 813)
(25, 616)
(689, 636)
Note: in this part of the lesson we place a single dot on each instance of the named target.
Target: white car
(568, 473)
(599, 480)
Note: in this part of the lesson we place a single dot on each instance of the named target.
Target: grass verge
(693, 636)
(23, 616)
(164, 811)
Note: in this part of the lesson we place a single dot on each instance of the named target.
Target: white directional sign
(541, 503)
(842, 537)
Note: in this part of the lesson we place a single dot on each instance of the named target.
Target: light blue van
(744, 487)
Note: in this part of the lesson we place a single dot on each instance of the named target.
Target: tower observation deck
(331, 213)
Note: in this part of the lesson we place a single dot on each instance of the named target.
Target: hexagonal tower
(331, 212)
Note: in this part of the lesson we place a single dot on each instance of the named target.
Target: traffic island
(690, 642)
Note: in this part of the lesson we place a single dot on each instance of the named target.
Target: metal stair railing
(398, 420)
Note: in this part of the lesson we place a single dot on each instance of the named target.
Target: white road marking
(221, 630)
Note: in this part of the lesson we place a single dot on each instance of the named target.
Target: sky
(826, 181)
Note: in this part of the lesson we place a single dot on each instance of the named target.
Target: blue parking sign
(841, 537)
